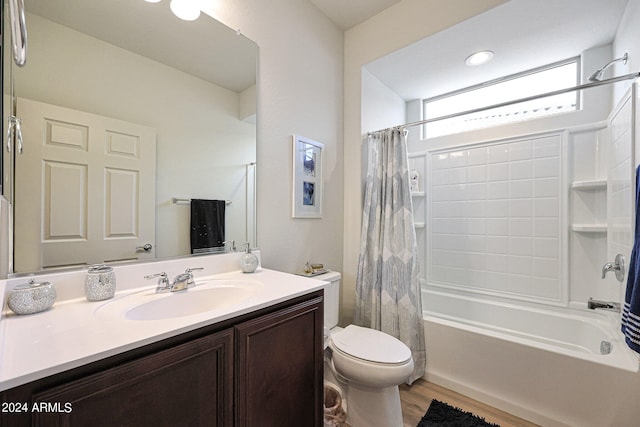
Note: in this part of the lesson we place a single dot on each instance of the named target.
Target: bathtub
(542, 364)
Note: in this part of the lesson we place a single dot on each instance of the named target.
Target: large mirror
(127, 114)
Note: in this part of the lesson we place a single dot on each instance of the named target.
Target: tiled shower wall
(494, 218)
(532, 217)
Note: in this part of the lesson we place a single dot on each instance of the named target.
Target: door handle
(14, 125)
(144, 248)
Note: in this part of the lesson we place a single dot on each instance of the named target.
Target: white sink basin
(206, 296)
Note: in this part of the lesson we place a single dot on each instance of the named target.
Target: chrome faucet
(617, 266)
(181, 282)
(603, 305)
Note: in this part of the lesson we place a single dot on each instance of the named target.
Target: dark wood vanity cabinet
(261, 369)
(279, 379)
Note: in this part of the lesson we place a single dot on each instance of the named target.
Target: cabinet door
(187, 385)
(279, 368)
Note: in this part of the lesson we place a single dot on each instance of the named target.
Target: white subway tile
(497, 227)
(547, 167)
(475, 209)
(498, 153)
(546, 288)
(497, 244)
(474, 243)
(520, 265)
(546, 267)
(475, 225)
(520, 284)
(458, 158)
(547, 227)
(522, 169)
(458, 175)
(476, 191)
(440, 177)
(521, 189)
(498, 190)
(521, 246)
(498, 263)
(498, 172)
(477, 173)
(497, 208)
(520, 208)
(440, 161)
(477, 156)
(547, 207)
(546, 187)
(547, 147)
(498, 281)
(546, 247)
(520, 227)
(521, 150)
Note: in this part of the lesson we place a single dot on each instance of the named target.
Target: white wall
(392, 29)
(300, 91)
(202, 145)
(381, 107)
(627, 40)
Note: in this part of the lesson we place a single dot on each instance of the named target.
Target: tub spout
(603, 305)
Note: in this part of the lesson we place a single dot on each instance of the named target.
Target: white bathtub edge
(494, 401)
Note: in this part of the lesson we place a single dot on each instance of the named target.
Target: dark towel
(631, 310)
(207, 225)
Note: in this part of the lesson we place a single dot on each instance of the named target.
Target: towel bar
(181, 201)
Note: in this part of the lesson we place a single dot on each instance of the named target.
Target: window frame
(573, 60)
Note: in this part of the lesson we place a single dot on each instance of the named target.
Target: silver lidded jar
(32, 297)
(100, 283)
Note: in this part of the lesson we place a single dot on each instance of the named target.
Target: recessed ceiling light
(188, 10)
(479, 58)
(153, 1)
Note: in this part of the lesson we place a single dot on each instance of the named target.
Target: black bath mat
(442, 415)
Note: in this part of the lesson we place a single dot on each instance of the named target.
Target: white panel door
(621, 185)
(85, 188)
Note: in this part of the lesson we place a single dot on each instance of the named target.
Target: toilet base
(373, 407)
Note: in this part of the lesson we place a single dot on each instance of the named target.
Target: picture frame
(307, 183)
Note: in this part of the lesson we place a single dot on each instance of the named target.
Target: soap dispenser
(248, 260)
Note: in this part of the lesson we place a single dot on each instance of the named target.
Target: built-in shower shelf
(589, 228)
(594, 184)
(418, 225)
(417, 194)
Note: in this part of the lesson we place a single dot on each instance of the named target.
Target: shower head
(597, 75)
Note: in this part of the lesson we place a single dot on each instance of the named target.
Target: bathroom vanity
(257, 362)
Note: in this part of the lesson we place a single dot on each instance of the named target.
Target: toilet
(365, 365)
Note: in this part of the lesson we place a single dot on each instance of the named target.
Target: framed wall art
(307, 178)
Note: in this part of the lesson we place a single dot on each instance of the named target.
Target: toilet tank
(331, 298)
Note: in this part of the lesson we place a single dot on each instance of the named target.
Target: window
(529, 83)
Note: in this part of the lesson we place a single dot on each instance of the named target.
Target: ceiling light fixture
(479, 58)
(189, 10)
(153, 1)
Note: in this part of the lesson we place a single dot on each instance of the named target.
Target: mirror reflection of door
(85, 186)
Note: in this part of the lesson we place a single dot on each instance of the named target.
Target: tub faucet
(603, 305)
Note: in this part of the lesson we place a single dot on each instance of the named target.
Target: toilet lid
(371, 345)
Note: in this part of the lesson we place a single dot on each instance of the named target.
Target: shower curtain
(387, 287)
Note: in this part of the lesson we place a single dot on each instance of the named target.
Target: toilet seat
(371, 346)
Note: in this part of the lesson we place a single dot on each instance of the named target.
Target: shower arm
(597, 75)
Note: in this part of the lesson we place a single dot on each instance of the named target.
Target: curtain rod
(516, 101)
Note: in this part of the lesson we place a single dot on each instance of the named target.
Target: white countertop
(71, 334)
